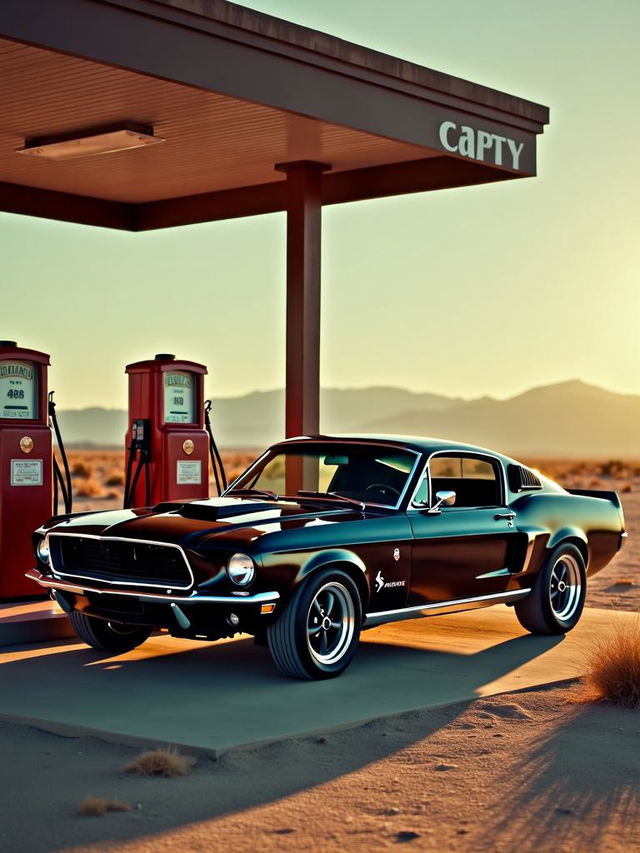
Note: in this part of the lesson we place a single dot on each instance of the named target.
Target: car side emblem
(379, 581)
(396, 554)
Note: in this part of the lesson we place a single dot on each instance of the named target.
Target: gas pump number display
(17, 390)
(179, 402)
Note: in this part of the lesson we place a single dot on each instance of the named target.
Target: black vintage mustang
(322, 537)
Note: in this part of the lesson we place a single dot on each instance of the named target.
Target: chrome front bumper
(238, 598)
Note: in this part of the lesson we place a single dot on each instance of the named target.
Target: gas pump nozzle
(140, 446)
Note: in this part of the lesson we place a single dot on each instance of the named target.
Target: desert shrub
(161, 762)
(115, 478)
(613, 668)
(98, 806)
(89, 489)
(625, 488)
(81, 469)
(612, 468)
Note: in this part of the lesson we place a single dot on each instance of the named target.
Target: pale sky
(482, 290)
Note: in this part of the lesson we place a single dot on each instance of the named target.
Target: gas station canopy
(232, 92)
(233, 113)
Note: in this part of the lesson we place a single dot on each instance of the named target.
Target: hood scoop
(210, 511)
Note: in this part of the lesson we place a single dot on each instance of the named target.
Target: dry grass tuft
(161, 762)
(98, 806)
(613, 673)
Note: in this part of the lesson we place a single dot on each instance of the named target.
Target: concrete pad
(213, 697)
(32, 622)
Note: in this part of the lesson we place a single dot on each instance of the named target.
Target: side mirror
(445, 498)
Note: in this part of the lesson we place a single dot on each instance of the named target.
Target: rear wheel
(108, 636)
(316, 635)
(556, 601)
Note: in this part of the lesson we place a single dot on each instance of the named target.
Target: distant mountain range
(566, 419)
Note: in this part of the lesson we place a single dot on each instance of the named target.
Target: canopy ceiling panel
(212, 142)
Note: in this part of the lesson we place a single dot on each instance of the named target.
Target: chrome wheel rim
(330, 623)
(565, 587)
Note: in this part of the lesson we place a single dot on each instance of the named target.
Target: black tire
(108, 636)
(556, 600)
(298, 648)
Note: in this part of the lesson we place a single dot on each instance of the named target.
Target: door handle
(508, 515)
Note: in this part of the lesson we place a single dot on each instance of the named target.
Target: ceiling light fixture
(88, 143)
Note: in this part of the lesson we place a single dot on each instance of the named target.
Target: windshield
(369, 473)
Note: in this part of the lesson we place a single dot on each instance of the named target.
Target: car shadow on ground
(170, 687)
(210, 694)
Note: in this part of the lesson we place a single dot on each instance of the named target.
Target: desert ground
(537, 770)
(98, 478)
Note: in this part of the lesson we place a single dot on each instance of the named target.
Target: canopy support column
(304, 249)
(304, 214)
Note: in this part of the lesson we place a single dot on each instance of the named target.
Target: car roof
(411, 442)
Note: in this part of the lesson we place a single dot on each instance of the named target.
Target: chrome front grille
(114, 561)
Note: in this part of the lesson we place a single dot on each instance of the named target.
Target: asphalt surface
(213, 697)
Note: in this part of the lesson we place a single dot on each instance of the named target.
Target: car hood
(192, 523)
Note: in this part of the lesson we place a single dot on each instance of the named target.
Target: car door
(464, 550)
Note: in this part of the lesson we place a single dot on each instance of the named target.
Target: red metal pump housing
(167, 444)
(26, 454)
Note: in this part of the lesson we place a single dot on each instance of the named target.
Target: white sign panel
(27, 472)
(17, 390)
(189, 472)
(179, 398)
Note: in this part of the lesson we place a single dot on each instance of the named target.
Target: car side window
(422, 493)
(475, 480)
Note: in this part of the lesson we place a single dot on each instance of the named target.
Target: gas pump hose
(131, 483)
(65, 485)
(219, 474)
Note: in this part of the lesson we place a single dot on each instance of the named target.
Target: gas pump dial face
(18, 390)
(179, 398)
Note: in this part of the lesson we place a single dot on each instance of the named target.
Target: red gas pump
(26, 462)
(167, 443)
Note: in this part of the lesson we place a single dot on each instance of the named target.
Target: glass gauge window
(18, 390)
(179, 398)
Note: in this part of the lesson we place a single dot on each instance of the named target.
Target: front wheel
(108, 636)
(317, 633)
(556, 600)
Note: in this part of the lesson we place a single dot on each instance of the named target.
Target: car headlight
(241, 569)
(42, 550)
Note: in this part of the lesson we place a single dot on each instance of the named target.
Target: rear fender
(573, 536)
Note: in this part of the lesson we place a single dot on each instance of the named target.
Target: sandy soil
(527, 771)
(618, 585)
